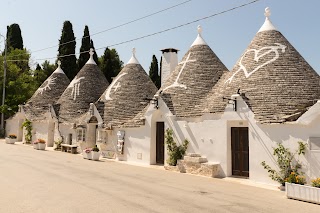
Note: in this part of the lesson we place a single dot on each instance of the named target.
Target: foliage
(110, 64)
(285, 162)
(86, 44)
(39, 140)
(175, 152)
(28, 126)
(67, 46)
(12, 136)
(58, 144)
(42, 73)
(14, 38)
(154, 72)
(95, 149)
(20, 81)
(297, 179)
(87, 150)
(316, 183)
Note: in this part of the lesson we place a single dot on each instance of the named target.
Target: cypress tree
(110, 64)
(85, 46)
(154, 72)
(67, 46)
(14, 37)
(95, 56)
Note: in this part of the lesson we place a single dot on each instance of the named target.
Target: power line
(159, 32)
(112, 28)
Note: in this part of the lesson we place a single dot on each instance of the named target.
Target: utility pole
(4, 83)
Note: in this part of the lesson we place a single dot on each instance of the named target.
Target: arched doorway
(91, 131)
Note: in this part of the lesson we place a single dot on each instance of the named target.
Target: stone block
(181, 166)
(195, 159)
(209, 170)
(193, 155)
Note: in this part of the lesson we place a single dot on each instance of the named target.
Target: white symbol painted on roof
(108, 92)
(50, 81)
(75, 84)
(257, 57)
(175, 83)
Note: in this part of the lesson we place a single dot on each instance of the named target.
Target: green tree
(95, 56)
(154, 72)
(67, 48)
(85, 46)
(20, 83)
(110, 64)
(14, 37)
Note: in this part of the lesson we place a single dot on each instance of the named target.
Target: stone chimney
(169, 62)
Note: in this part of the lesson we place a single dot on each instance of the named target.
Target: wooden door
(240, 151)
(160, 143)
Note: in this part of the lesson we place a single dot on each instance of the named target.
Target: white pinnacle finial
(199, 40)
(91, 61)
(199, 29)
(133, 59)
(267, 12)
(267, 26)
(59, 70)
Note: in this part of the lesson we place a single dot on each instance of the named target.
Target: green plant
(316, 183)
(58, 144)
(12, 136)
(285, 162)
(297, 179)
(95, 149)
(28, 127)
(175, 152)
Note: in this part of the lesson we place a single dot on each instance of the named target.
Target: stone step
(193, 155)
(195, 159)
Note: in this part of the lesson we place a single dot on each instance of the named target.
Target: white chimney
(169, 62)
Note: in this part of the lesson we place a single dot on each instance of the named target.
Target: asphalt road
(52, 181)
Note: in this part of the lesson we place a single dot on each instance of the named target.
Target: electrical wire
(112, 28)
(156, 33)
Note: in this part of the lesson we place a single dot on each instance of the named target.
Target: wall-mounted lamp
(154, 101)
(231, 101)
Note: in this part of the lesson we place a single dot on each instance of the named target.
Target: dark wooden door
(160, 143)
(240, 151)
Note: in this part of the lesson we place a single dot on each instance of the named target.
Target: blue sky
(228, 34)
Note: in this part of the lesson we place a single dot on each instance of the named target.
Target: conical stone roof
(274, 79)
(192, 79)
(127, 95)
(85, 88)
(48, 93)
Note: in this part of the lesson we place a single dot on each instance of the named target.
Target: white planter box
(303, 192)
(39, 146)
(95, 155)
(86, 155)
(11, 140)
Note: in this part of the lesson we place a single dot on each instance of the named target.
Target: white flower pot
(41, 146)
(86, 155)
(95, 155)
(11, 140)
(303, 192)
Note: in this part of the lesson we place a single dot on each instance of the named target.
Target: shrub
(28, 126)
(12, 136)
(316, 183)
(95, 149)
(175, 152)
(297, 179)
(58, 143)
(285, 162)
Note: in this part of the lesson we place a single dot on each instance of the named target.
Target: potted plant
(86, 153)
(297, 190)
(95, 153)
(39, 144)
(286, 163)
(11, 139)
(57, 145)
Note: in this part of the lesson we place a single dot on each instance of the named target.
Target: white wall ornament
(50, 81)
(175, 83)
(257, 57)
(75, 84)
(112, 85)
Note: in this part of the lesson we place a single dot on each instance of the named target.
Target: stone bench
(69, 148)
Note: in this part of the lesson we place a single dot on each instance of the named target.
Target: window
(81, 134)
